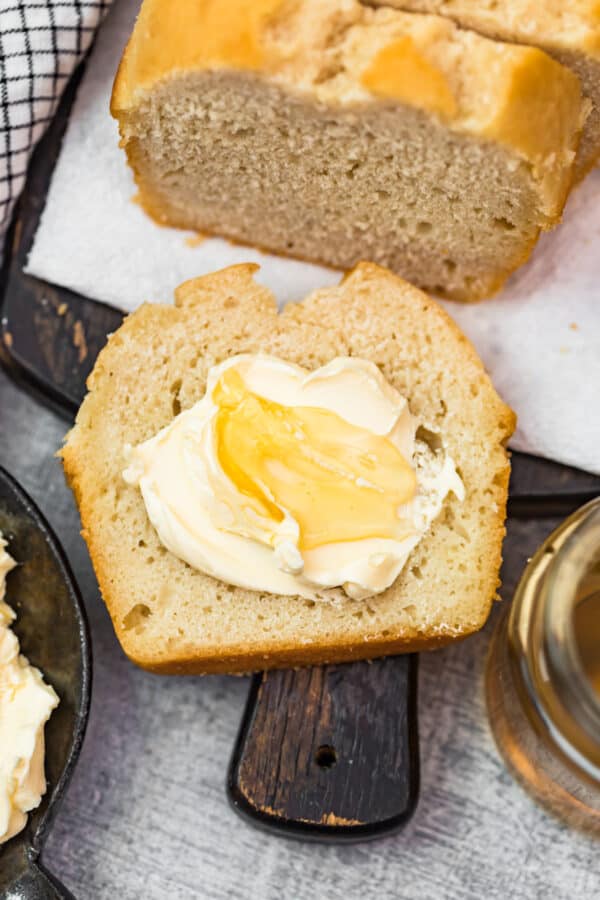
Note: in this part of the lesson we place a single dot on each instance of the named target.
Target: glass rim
(574, 558)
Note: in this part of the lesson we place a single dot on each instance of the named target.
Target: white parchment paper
(540, 338)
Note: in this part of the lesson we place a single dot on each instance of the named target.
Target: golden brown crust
(412, 58)
(243, 661)
(231, 301)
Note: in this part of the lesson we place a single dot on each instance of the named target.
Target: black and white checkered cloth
(41, 42)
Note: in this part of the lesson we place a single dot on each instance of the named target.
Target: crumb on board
(196, 239)
(79, 341)
(62, 308)
(332, 819)
(326, 819)
(574, 326)
(8, 339)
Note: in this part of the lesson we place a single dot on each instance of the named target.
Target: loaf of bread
(335, 132)
(569, 30)
(170, 617)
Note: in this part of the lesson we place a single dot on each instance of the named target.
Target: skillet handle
(36, 883)
(329, 752)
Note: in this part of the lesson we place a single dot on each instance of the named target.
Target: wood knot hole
(325, 757)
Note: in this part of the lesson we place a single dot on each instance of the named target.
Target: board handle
(329, 752)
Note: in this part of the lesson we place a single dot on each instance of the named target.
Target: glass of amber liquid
(543, 673)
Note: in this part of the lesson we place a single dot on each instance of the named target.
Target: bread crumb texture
(336, 132)
(171, 618)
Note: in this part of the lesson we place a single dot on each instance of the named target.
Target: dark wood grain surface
(330, 751)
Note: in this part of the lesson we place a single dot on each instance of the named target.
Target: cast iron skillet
(53, 632)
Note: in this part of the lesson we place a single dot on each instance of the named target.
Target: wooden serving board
(324, 753)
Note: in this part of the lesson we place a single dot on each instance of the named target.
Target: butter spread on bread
(335, 132)
(294, 482)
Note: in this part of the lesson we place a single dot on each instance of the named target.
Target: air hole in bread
(450, 519)
(433, 440)
(175, 402)
(503, 224)
(328, 73)
(416, 572)
(136, 617)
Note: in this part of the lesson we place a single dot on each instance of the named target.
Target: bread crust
(226, 304)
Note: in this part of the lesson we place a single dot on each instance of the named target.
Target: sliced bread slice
(335, 132)
(567, 31)
(172, 618)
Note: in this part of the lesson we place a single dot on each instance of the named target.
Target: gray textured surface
(146, 814)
